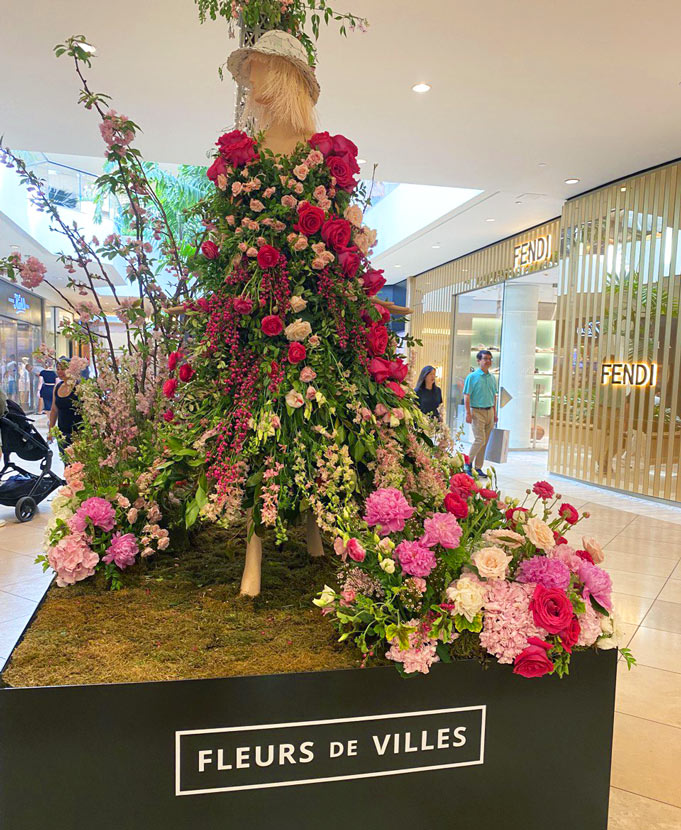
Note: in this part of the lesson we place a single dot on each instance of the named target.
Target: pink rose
(533, 661)
(307, 374)
(551, 609)
(355, 550)
(170, 387)
(373, 282)
(272, 325)
(349, 261)
(336, 233)
(186, 372)
(217, 168)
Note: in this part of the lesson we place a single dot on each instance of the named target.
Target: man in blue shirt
(480, 398)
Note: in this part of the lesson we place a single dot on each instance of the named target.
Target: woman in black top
(63, 412)
(428, 393)
(48, 378)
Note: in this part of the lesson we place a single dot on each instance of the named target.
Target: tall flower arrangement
(479, 577)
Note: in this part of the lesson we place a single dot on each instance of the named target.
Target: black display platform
(464, 747)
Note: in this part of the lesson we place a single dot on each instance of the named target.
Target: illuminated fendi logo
(629, 374)
(532, 252)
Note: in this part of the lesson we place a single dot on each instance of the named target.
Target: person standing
(480, 399)
(64, 413)
(48, 379)
(428, 393)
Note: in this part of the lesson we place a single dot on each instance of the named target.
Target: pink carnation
(508, 620)
(597, 583)
(389, 509)
(442, 529)
(590, 626)
(566, 554)
(122, 550)
(551, 573)
(543, 489)
(415, 559)
(72, 559)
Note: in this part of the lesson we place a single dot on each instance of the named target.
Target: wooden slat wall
(618, 299)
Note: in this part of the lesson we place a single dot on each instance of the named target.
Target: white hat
(274, 42)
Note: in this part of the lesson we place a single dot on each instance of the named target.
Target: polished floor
(642, 540)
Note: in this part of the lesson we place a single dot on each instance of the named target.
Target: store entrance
(18, 378)
(515, 321)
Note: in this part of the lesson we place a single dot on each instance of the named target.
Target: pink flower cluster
(420, 655)
(122, 550)
(508, 621)
(415, 558)
(32, 272)
(72, 559)
(442, 529)
(97, 510)
(389, 509)
(551, 573)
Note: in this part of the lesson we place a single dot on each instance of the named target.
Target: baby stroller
(18, 488)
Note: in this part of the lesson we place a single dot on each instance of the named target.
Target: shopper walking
(48, 379)
(480, 399)
(64, 413)
(429, 393)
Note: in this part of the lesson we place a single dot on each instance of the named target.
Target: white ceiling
(586, 89)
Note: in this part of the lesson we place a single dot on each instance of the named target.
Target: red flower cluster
(341, 158)
(543, 489)
(237, 148)
(310, 219)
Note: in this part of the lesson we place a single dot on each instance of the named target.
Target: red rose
(398, 370)
(310, 219)
(272, 325)
(585, 555)
(342, 146)
(340, 169)
(461, 481)
(203, 304)
(349, 261)
(322, 142)
(488, 494)
(456, 505)
(237, 148)
(377, 338)
(373, 282)
(337, 233)
(543, 489)
(551, 609)
(168, 415)
(243, 305)
(534, 660)
(217, 168)
(210, 250)
(296, 352)
(169, 388)
(570, 635)
(186, 372)
(379, 369)
(568, 512)
(173, 359)
(268, 257)
(385, 314)
(396, 388)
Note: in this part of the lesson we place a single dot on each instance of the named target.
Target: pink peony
(99, 511)
(551, 573)
(415, 558)
(597, 584)
(389, 509)
(72, 559)
(122, 550)
(566, 554)
(442, 529)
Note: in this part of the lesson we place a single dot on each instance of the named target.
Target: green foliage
(629, 657)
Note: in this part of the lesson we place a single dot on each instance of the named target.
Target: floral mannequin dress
(287, 393)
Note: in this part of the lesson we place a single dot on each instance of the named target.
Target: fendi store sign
(532, 252)
(629, 374)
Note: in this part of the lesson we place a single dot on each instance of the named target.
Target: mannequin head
(278, 95)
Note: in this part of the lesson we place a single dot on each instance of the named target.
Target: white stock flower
(327, 597)
(388, 565)
(468, 596)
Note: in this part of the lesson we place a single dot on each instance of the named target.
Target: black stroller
(18, 488)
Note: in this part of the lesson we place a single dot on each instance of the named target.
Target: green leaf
(358, 450)
(191, 514)
(462, 624)
(443, 653)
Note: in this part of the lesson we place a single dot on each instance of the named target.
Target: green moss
(180, 616)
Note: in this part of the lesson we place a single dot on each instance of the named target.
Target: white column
(518, 340)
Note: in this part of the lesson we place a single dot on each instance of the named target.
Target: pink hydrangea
(122, 550)
(415, 559)
(99, 511)
(551, 573)
(590, 626)
(420, 655)
(597, 583)
(389, 509)
(507, 619)
(442, 529)
(72, 559)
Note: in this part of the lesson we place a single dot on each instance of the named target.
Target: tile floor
(643, 546)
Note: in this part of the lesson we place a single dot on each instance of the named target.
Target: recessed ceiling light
(436, 246)
(571, 181)
(518, 202)
(397, 266)
(490, 220)
(421, 88)
(361, 161)
(542, 164)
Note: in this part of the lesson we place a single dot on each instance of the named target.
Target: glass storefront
(20, 335)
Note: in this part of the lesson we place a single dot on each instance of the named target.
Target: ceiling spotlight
(490, 220)
(542, 164)
(436, 246)
(571, 181)
(421, 88)
(361, 161)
